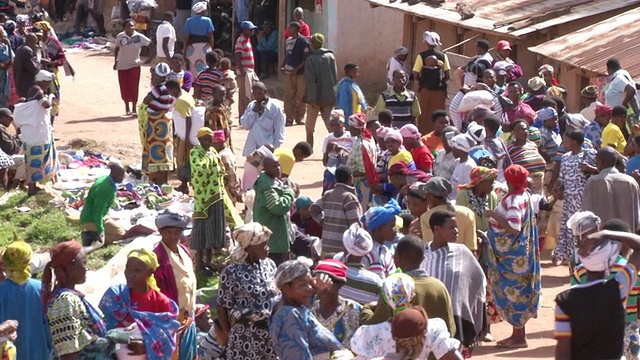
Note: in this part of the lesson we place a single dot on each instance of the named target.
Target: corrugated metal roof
(514, 18)
(590, 47)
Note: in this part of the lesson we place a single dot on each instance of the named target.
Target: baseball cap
(247, 25)
(547, 113)
(503, 45)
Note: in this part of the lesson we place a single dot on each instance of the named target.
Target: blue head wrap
(303, 201)
(380, 215)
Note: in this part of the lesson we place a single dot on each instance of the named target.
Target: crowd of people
(428, 231)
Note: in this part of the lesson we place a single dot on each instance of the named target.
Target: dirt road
(92, 110)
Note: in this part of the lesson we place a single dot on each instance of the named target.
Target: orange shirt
(433, 142)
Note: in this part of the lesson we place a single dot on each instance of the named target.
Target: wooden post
(282, 25)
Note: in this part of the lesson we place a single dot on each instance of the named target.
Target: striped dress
(527, 156)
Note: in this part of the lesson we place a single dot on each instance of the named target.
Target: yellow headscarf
(151, 260)
(16, 259)
(44, 25)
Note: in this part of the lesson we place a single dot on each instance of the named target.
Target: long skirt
(186, 344)
(430, 101)
(129, 81)
(209, 233)
(5, 88)
(157, 152)
(513, 271)
(41, 162)
(13, 97)
(54, 88)
(196, 54)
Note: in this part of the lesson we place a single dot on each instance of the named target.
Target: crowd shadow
(117, 118)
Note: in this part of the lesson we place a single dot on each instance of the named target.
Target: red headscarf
(61, 256)
(516, 176)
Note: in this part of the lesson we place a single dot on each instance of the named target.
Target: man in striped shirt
(245, 65)
(338, 209)
(208, 79)
(363, 286)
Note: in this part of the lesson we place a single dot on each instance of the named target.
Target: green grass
(43, 226)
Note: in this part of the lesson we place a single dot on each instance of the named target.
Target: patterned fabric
(573, 180)
(514, 261)
(216, 118)
(297, 334)
(206, 80)
(248, 289)
(73, 322)
(210, 233)
(398, 290)
(231, 179)
(527, 156)
(376, 340)
(343, 322)
(157, 150)
(379, 261)
(158, 329)
(363, 286)
(196, 54)
(593, 132)
(208, 348)
(41, 161)
(445, 164)
(207, 179)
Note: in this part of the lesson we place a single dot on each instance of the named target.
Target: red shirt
(152, 301)
(422, 158)
(305, 30)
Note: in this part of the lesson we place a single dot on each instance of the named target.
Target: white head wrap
(432, 38)
(393, 134)
(577, 121)
(476, 132)
(252, 233)
(462, 142)
(401, 51)
(583, 221)
(357, 241)
(338, 114)
(162, 69)
(44, 75)
(602, 257)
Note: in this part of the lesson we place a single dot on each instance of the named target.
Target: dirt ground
(92, 110)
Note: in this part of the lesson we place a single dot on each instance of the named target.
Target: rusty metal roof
(589, 48)
(512, 18)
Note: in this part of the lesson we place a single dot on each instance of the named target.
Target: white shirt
(460, 176)
(165, 30)
(264, 128)
(614, 93)
(394, 64)
(590, 112)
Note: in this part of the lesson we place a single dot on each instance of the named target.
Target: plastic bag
(115, 12)
(475, 98)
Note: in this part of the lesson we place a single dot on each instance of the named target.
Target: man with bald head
(612, 194)
(96, 224)
(26, 65)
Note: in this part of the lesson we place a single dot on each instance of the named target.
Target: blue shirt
(593, 132)
(198, 26)
(633, 164)
(269, 43)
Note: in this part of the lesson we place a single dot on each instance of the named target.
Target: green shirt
(98, 202)
(271, 209)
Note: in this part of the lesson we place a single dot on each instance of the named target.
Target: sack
(184, 173)
(115, 12)
(474, 98)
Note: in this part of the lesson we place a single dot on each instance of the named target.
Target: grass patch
(43, 226)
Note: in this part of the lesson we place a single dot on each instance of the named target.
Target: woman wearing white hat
(198, 38)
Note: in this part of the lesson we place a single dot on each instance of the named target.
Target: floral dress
(247, 292)
(343, 322)
(573, 179)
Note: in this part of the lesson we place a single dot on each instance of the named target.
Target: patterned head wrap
(336, 269)
(382, 132)
(317, 39)
(16, 259)
(291, 270)
(516, 176)
(358, 121)
(393, 134)
(544, 68)
(602, 257)
(252, 233)
(199, 7)
(478, 175)
(61, 257)
(380, 215)
(398, 290)
(218, 136)
(583, 221)
(357, 241)
(172, 218)
(150, 259)
(476, 131)
(162, 69)
(589, 92)
(439, 186)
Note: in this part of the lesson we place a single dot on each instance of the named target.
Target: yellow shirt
(402, 156)
(286, 158)
(185, 103)
(417, 66)
(612, 136)
(466, 220)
